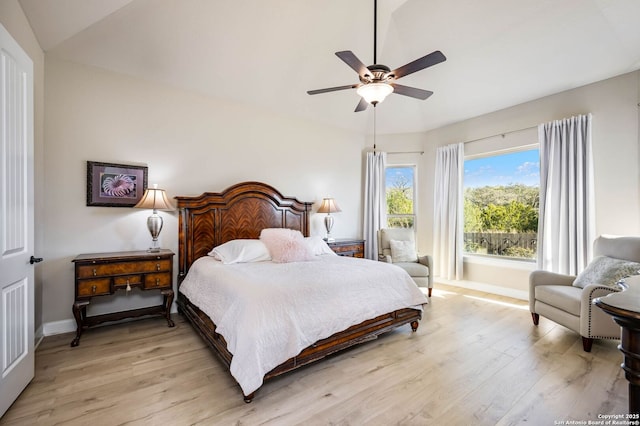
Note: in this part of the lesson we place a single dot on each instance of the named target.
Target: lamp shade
(375, 92)
(155, 199)
(329, 205)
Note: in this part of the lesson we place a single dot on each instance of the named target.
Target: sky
(393, 173)
(515, 167)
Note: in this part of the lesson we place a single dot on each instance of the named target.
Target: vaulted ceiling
(268, 53)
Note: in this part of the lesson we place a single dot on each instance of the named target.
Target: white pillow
(403, 251)
(318, 246)
(607, 271)
(286, 245)
(241, 251)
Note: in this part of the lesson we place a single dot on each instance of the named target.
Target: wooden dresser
(101, 274)
(347, 247)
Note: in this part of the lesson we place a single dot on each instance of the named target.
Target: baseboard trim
(37, 337)
(488, 288)
(58, 327)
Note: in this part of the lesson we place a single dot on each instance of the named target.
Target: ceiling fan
(378, 81)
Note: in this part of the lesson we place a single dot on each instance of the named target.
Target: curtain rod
(503, 134)
(406, 152)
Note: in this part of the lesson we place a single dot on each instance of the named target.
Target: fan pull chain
(374, 128)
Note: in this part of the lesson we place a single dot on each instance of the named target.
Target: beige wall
(614, 105)
(14, 20)
(191, 144)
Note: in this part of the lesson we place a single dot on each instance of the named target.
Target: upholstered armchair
(398, 246)
(567, 300)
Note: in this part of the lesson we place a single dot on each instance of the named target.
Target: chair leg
(535, 317)
(430, 292)
(587, 342)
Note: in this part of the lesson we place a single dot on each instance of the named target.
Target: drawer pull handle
(157, 267)
(157, 282)
(95, 272)
(128, 286)
(93, 288)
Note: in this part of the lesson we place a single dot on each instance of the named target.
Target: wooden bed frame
(242, 211)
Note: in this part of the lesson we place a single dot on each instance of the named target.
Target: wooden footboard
(359, 333)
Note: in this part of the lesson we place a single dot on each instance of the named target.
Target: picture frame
(115, 185)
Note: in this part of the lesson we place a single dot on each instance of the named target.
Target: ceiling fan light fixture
(375, 93)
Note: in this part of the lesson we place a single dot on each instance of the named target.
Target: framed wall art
(115, 185)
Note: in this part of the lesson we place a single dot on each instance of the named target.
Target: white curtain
(566, 224)
(448, 225)
(375, 202)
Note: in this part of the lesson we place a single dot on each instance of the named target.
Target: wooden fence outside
(502, 243)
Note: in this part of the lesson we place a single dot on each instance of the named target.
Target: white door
(16, 220)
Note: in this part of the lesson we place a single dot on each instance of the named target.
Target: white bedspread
(268, 312)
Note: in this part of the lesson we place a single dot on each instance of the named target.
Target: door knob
(35, 260)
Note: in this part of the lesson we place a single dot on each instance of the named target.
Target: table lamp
(155, 199)
(329, 206)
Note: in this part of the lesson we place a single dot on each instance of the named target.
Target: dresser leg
(168, 301)
(79, 312)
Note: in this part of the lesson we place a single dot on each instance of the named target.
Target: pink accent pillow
(286, 245)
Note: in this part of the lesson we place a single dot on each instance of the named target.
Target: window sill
(504, 262)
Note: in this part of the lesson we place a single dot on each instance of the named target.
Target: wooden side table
(347, 247)
(624, 307)
(101, 274)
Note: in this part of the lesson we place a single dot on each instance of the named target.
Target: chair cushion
(627, 248)
(604, 270)
(563, 297)
(414, 269)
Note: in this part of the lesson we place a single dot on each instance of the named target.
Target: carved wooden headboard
(241, 211)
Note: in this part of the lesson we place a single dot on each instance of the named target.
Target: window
(501, 200)
(400, 190)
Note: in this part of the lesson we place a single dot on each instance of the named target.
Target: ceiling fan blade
(332, 89)
(411, 91)
(362, 105)
(429, 60)
(350, 59)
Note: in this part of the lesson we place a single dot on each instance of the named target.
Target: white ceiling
(269, 53)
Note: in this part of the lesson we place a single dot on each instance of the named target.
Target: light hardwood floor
(476, 359)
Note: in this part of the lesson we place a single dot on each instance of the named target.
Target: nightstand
(101, 274)
(347, 247)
